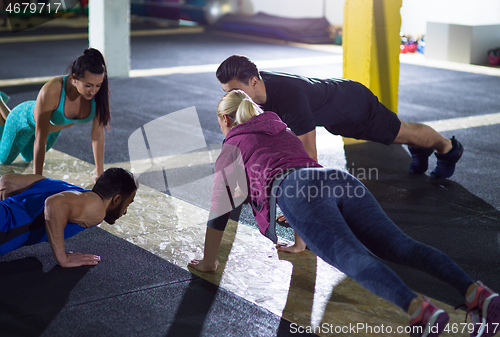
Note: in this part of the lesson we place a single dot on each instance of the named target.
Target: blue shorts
(23, 214)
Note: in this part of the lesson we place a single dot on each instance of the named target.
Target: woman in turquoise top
(32, 127)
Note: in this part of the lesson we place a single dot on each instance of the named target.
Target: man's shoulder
(277, 83)
(92, 200)
(275, 76)
(88, 196)
(82, 196)
(86, 207)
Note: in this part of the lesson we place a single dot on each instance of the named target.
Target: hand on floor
(79, 259)
(282, 247)
(298, 247)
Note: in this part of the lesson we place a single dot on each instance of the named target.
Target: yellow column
(371, 43)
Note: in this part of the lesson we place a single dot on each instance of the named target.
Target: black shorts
(355, 112)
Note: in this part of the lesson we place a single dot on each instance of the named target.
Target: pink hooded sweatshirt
(253, 155)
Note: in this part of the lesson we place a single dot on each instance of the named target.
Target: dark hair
(239, 67)
(115, 181)
(93, 62)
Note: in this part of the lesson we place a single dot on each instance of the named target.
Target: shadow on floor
(28, 308)
(196, 309)
(440, 213)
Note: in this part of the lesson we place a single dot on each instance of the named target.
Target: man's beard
(114, 214)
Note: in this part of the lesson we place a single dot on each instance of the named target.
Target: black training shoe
(446, 162)
(419, 159)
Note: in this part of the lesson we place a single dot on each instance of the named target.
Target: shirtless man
(36, 209)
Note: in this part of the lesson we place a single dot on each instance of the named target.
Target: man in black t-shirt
(343, 107)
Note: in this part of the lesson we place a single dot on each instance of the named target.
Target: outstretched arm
(46, 102)
(67, 207)
(97, 136)
(213, 237)
(209, 262)
(229, 174)
(309, 141)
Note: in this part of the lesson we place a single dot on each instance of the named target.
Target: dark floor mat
(131, 292)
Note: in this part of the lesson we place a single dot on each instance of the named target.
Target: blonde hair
(238, 107)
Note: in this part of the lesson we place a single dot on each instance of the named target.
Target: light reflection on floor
(301, 288)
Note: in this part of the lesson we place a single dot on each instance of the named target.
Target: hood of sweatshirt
(267, 123)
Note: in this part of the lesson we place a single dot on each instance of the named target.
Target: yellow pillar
(370, 44)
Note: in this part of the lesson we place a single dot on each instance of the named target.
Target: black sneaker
(419, 159)
(446, 162)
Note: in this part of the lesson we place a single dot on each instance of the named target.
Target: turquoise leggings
(17, 136)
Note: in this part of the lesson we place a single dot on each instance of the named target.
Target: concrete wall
(109, 32)
(414, 13)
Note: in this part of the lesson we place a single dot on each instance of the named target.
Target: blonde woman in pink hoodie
(333, 212)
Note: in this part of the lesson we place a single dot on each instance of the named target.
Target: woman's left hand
(204, 266)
